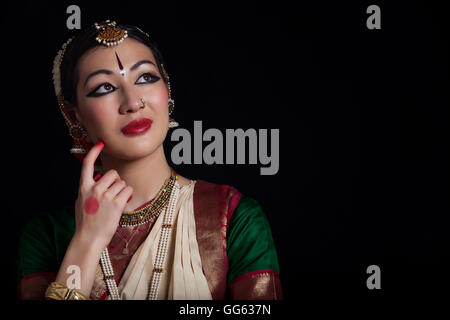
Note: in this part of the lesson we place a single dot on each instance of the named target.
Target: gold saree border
(256, 285)
(214, 205)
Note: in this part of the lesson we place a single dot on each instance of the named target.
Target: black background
(363, 121)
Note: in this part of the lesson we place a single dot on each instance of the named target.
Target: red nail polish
(101, 143)
(97, 176)
(130, 198)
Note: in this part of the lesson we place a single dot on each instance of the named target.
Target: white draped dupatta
(183, 277)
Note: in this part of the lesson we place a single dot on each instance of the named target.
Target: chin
(142, 149)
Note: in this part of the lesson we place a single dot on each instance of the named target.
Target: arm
(97, 213)
(84, 254)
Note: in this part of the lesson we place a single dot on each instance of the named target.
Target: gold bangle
(58, 291)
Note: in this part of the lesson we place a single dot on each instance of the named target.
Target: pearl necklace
(158, 266)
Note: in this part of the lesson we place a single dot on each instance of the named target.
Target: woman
(192, 240)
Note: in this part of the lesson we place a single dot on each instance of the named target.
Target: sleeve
(36, 250)
(41, 248)
(35, 259)
(253, 263)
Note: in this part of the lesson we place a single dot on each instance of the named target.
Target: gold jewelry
(152, 210)
(172, 122)
(110, 34)
(58, 291)
(125, 250)
(171, 101)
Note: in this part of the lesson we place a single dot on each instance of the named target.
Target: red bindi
(122, 72)
(91, 205)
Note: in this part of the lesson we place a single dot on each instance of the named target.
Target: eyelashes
(110, 88)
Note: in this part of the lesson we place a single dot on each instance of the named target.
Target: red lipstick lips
(137, 126)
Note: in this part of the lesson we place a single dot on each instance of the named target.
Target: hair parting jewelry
(109, 34)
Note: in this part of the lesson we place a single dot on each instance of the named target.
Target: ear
(77, 116)
(73, 113)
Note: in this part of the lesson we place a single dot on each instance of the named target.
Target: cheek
(98, 118)
(100, 115)
(159, 99)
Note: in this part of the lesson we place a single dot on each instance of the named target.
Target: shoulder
(219, 198)
(62, 219)
(183, 181)
(249, 216)
(206, 189)
(228, 205)
(226, 195)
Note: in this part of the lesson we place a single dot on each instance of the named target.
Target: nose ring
(143, 102)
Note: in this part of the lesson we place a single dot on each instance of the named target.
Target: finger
(107, 180)
(118, 186)
(125, 194)
(87, 169)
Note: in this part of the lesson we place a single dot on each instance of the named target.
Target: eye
(97, 92)
(148, 78)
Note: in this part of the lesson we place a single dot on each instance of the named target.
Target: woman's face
(107, 100)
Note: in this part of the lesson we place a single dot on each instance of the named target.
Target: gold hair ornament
(110, 34)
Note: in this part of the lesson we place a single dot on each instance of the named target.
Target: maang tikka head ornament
(109, 34)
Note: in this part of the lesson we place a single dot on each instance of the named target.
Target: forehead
(102, 57)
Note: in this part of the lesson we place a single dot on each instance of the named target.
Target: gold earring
(172, 122)
(78, 134)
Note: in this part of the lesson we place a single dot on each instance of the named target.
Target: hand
(100, 203)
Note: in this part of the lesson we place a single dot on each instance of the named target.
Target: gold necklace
(125, 250)
(152, 210)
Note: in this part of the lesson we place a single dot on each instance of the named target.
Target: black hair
(85, 40)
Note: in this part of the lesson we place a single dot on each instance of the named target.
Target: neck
(145, 175)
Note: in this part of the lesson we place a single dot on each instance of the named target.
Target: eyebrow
(109, 72)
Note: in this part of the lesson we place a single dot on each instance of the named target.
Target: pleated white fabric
(183, 277)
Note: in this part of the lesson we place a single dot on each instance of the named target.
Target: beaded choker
(150, 211)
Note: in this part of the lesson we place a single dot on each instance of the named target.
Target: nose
(131, 101)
